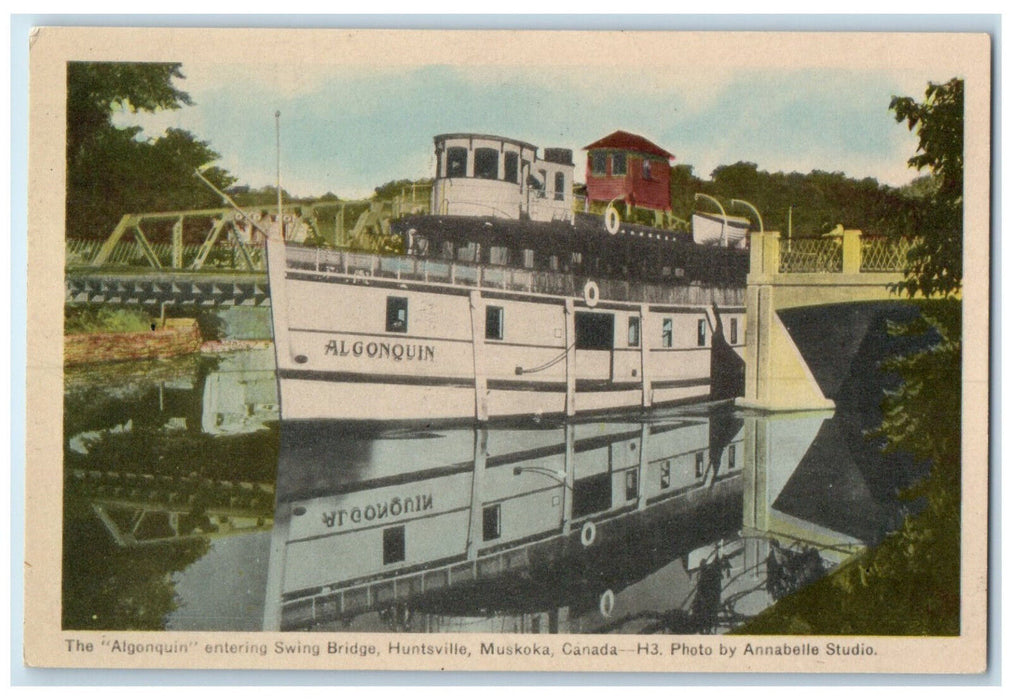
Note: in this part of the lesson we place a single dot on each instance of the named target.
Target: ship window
(598, 163)
(560, 186)
(493, 322)
(734, 331)
(456, 162)
(490, 523)
(666, 474)
(701, 332)
(618, 163)
(631, 485)
(528, 257)
(542, 184)
(730, 456)
(397, 314)
(498, 255)
(486, 163)
(468, 252)
(393, 545)
(447, 251)
(512, 170)
(594, 331)
(634, 331)
(666, 333)
(646, 169)
(553, 262)
(700, 464)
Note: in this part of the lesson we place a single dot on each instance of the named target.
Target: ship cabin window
(542, 184)
(491, 526)
(397, 315)
(456, 162)
(498, 255)
(618, 164)
(493, 322)
(665, 473)
(486, 163)
(594, 331)
(560, 186)
(701, 332)
(734, 331)
(631, 485)
(667, 333)
(528, 256)
(468, 252)
(598, 163)
(448, 252)
(634, 331)
(700, 464)
(553, 262)
(730, 456)
(511, 167)
(646, 169)
(393, 545)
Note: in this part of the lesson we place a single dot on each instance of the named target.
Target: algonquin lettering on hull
(411, 352)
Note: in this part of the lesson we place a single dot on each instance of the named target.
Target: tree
(935, 263)
(113, 171)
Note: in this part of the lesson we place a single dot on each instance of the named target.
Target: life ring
(591, 294)
(607, 603)
(588, 533)
(611, 220)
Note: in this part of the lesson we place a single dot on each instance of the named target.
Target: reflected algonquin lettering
(381, 351)
(395, 507)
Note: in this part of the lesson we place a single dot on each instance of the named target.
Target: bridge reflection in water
(690, 522)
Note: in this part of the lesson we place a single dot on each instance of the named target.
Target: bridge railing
(882, 254)
(821, 254)
(848, 252)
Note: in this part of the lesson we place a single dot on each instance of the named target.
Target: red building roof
(624, 141)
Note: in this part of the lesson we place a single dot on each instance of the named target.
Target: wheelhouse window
(486, 163)
(511, 167)
(734, 331)
(634, 331)
(397, 315)
(701, 332)
(598, 163)
(456, 162)
(646, 170)
(594, 331)
(560, 186)
(542, 183)
(393, 545)
(618, 164)
(667, 333)
(491, 526)
(493, 322)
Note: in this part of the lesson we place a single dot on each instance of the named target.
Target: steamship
(505, 301)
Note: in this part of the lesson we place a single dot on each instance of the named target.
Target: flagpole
(277, 131)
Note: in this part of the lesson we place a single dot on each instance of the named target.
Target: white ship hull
(363, 338)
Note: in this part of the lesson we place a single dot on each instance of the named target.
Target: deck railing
(506, 278)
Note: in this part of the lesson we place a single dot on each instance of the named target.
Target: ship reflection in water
(688, 522)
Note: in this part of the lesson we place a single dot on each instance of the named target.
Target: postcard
(508, 350)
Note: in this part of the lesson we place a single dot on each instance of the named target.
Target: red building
(630, 168)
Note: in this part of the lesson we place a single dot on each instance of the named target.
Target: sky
(348, 129)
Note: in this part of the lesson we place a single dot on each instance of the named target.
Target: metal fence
(811, 255)
(881, 254)
(80, 253)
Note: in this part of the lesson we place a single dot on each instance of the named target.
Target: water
(186, 507)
